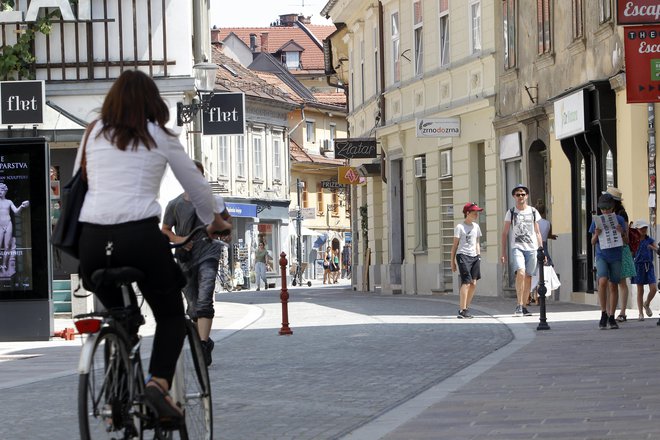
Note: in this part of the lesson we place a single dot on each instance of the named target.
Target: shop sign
(331, 184)
(225, 115)
(510, 146)
(305, 213)
(348, 176)
(22, 102)
(23, 165)
(438, 127)
(348, 237)
(642, 46)
(637, 12)
(355, 148)
(569, 115)
(241, 209)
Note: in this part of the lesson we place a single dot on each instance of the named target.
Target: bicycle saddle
(116, 276)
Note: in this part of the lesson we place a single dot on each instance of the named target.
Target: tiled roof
(311, 57)
(332, 98)
(275, 81)
(233, 77)
(321, 32)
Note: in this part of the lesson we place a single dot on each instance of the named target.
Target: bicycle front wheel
(195, 388)
(105, 400)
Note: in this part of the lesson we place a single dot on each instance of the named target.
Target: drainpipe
(651, 158)
(302, 116)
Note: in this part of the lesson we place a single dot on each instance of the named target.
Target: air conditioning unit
(326, 146)
(420, 166)
(445, 163)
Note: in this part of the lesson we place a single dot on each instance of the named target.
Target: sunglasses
(520, 194)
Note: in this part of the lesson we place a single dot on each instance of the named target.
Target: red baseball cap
(471, 207)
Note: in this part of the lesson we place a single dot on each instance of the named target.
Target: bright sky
(261, 13)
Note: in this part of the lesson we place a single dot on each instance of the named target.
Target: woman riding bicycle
(125, 158)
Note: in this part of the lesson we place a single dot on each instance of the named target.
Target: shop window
(509, 25)
(319, 199)
(543, 17)
(305, 194)
(444, 32)
(421, 223)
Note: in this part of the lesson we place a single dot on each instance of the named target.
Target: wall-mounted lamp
(204, 83)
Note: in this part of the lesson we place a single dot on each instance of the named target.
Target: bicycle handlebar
(193, 234)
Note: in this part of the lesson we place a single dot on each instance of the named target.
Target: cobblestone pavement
(367, 366)
(351, 358)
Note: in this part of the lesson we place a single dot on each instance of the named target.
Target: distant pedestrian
(524, 241)
(545, 227)
(608, 264)
(326, 266)
(645, 272)
(334, 266)
(465, 255)
(627, 263)
(346, 261)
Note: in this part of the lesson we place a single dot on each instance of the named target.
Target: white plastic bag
(550, 278)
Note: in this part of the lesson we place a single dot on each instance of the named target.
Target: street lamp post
(298, 275)
(185, 113)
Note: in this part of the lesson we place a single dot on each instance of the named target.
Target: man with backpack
(524, 241)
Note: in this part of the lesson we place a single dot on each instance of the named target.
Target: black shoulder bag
(66, 234)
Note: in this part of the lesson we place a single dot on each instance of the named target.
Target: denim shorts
(524, 260)
(611, 271)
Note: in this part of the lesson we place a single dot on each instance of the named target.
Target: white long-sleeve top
(124, 185)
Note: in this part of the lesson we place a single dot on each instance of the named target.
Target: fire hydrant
(68, 333)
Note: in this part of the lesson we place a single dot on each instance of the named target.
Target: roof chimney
(264, 42)
(253, 42)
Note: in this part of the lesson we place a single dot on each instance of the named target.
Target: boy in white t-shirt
(465, 255)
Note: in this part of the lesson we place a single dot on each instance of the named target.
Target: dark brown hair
(133, 100)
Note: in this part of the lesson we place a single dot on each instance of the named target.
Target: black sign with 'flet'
(22, 102)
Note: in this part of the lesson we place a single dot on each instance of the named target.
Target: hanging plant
(364, 222)
(17, 60)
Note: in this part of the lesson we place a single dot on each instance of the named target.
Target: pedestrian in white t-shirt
(465, 256)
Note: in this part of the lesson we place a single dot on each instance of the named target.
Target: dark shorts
(469, 268)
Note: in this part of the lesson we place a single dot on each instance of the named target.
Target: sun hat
(519, 186)
(639, 224)
(614, 192)
(468, 207)
(606, 201)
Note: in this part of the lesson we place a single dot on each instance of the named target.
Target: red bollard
(284, 297)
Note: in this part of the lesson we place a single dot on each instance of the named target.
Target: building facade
(407, 63)
(565, 128)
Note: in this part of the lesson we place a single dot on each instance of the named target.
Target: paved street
(365, 366)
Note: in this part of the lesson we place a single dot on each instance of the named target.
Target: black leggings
(142, 245)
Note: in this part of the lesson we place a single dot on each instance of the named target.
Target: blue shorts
(524, 260)
(611, 271)
(645, 274)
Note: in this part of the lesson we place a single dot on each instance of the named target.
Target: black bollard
(541, 289)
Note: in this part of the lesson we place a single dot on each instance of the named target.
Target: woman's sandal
(159, 401)
(621, 318)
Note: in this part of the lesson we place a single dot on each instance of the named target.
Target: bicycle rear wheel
(194, 388)
(105, 399)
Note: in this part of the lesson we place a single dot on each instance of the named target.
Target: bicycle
(223, 278)
(111, 378)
